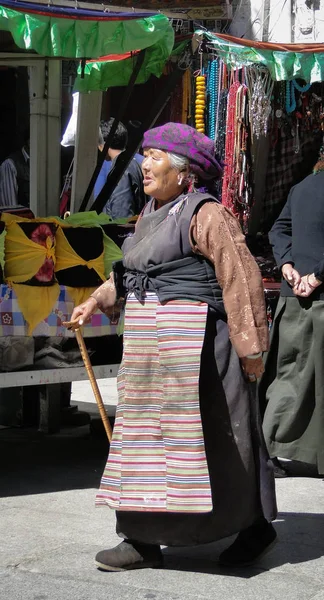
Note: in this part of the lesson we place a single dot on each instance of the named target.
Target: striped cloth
(8, 181)
(157, 459)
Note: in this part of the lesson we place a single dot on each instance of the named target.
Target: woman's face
(161, 180)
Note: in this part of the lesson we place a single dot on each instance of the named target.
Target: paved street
(50, 531)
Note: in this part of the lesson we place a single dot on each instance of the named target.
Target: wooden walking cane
(74, 325)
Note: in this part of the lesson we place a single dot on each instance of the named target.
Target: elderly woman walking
(187, 464)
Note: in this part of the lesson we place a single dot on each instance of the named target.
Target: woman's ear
(183, 176)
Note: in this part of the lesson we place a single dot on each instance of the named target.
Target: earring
(180, 180)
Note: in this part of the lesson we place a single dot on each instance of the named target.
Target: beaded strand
(212, 91)
(301, 88)
(291, 86)
(219, 89)
(221, 132)
(236, 190)
(290, 98)
(200, 103)
(229, 170)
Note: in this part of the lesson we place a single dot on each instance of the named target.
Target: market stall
(47, 264)
(263, 105)
(268, 120)
(250, 97)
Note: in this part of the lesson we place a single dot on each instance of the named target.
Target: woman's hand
(307, 285)
(252, 367)
(84, 312)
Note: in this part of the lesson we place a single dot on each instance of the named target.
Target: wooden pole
(92, 379)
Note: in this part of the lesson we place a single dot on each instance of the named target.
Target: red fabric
(114, 57)
(309, 48)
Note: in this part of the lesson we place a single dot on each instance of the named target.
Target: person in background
(107, 163)
(128, 198)
(292, 388)
(187, 464)
(14, 178)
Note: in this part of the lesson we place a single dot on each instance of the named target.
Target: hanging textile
(286, 168)
(76, 33)
(81, 276)
(111, 254)
(12, 322)
(29, 262)
(80, 294)
(112, 250)
(284, 61)
(25, 255)
(68, 258)
(115, 70)
(295, 137)
(40, 251)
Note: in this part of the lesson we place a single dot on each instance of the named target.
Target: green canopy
(285, 62)
(104, 74)
(53, 35)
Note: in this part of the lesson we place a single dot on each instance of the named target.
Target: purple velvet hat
(186, 141)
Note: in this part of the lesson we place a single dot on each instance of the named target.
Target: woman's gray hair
(180, 163)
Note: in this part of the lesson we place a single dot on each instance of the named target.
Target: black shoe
(129, 555)
(250, 544)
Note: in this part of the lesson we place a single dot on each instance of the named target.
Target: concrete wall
(289, 21)
(247, 20)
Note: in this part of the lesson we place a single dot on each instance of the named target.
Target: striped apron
(157, 459)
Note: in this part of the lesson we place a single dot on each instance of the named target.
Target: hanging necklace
(212, 90)
(291, 86)
(301, 88)
(260, 87)
(221, 137)
(218, 106)
(229, 170)
(200, 103)
(290, 98)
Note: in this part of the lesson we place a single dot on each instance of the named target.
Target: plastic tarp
(115, 71)
(76, 33)
(284, 61)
